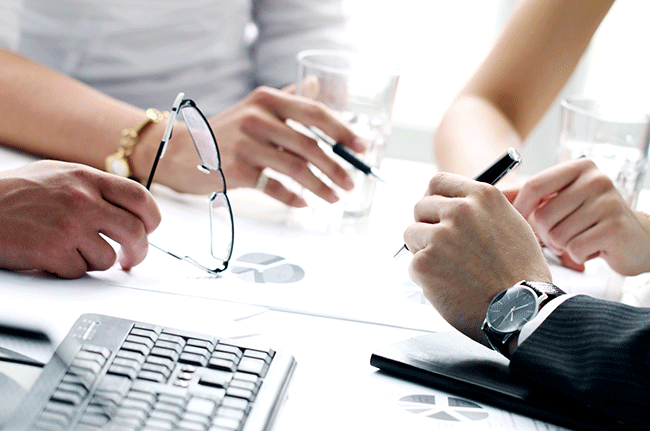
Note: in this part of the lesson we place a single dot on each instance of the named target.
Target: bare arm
(53, 115)
(513, 88)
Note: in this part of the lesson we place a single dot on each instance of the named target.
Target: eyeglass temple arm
(166, 137)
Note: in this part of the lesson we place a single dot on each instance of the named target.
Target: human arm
(52, 215)
(596, 352)
(531, 61)
(469, 244)
(77, 123)
(576, 210)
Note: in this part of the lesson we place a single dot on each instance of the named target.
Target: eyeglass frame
(179, 103)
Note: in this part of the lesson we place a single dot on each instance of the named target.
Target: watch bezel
(490, 317)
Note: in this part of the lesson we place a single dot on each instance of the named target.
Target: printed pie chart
(441, 407)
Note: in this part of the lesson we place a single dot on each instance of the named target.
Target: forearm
(513, 88)
(594, 351)
(472, 133)
(55, 116)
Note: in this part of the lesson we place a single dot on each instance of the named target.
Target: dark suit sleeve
(595, 351)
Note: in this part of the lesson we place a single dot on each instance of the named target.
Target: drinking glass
(614, 135)
(361, 91)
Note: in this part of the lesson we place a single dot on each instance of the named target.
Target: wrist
(122, 161)
(145, 152)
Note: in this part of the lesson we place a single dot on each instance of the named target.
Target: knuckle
(600, 183)
(434, 182)
(296, 167)
(315, 112)
(250, 120)
(262, 95)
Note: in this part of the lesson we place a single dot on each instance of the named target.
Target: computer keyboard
(117, 374)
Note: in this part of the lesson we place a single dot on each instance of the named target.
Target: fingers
(297, 150)
(276, 190)
(548, 183)
(133, 198)
(284, 105)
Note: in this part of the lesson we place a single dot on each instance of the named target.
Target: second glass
(361, 91)
(613, 135)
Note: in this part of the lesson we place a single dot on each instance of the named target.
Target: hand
(52, 214)
(253, 135)
(577, 210)
(469, 244)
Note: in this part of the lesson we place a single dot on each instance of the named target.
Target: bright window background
(438, 44)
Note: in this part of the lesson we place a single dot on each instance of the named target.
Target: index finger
(312, 113)
(452, 185)
(131, 197)
(547, 183)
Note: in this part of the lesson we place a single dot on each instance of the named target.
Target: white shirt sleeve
(10, 13)
(289, 26)
(546, 311)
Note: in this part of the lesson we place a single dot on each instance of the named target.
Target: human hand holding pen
(340, 150)
(491, 175)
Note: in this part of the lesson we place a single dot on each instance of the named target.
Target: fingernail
(121, 258)
(359, 145)
(332, 197)
(348, 184)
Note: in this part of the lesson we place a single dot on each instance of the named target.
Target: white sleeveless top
(146, 51)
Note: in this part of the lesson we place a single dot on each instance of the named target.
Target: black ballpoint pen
(344, 153)
(491, 175)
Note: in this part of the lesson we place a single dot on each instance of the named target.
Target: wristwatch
(512, 308)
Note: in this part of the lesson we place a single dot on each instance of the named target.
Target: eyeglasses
(222, 229)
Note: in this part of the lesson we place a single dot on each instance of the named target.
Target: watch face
(511, 309)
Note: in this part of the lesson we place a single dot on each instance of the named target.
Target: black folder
(452, 362)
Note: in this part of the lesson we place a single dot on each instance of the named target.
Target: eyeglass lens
(221, 227)
(202, 136)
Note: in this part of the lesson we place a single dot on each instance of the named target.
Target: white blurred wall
(438, 44)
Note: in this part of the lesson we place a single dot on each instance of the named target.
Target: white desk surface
(353, 299)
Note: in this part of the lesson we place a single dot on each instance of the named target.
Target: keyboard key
(152, 335)
(231, 413)
(208, 345)
(134, 356)
(240, 393)
(259, 355)
(201, 406)
(196, 418)
(131, 363)
(157, 368)
(159, 360)
(184, 425)
(103, 351)
(120, 370)
(244, 384)
(235, 403)
(253, 366)
(215, 378)
(193, 359)
(165, 353)
(222, 364)
(226, 423)
(154, 376)
(171, 345)
(158, 425)
(63, 396)
(221, 347)
(135, 347)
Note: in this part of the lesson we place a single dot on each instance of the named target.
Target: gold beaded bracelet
(118, 162)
